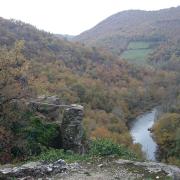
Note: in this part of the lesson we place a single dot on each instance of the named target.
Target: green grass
(98, 148)
(138, 56)
(106, 147)
(137, 52)
(139, 45)
(56, 154)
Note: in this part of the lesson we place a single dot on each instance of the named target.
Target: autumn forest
(115, 77)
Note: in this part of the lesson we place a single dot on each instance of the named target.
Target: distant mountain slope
(116, 32)
(64, 36)
(47, 47)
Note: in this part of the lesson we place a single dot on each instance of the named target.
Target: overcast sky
(73, 16)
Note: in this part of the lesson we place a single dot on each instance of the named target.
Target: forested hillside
(148, 37)
(135, 34)
(113, 92)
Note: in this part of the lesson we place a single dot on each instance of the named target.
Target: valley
(108, 76)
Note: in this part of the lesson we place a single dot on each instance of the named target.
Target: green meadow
(137, 52)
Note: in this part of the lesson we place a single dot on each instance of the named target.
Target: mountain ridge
(126, 13)
(117, 31)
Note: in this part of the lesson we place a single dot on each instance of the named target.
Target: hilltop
(134, 34)
(47, 47)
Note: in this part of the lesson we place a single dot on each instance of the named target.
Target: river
(139, 132)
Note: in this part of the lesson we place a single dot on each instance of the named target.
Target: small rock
(100, 165)
(27, 178)
(74, 166)
(87, 173)
(31, 164)
(49, 169)
(59, 162)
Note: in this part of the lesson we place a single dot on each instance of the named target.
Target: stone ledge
(171, 170)
(77, 106)
(36, 169)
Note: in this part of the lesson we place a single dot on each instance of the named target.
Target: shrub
(167, 135)
(56, 154)
(98, 148)
(40, 132)
(33, 136)
(106, 147)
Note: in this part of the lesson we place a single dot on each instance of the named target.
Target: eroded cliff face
(68, 117)
(72, 130)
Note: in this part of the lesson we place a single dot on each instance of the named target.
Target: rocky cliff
(68, 117)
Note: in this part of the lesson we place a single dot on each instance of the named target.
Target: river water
(139, 132)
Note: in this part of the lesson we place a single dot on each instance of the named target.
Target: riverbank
(141, 112)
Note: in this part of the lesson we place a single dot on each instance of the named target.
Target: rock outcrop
(154, 167)
(35, 170)
(72, 129)
(68, 117)
(47, 107)
(101, 169)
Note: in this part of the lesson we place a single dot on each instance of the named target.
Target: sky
(73, 16)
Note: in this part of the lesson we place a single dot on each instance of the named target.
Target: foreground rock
(154, 167)
(33, 169)
(109, 169)
(100, 169)
(68, 117)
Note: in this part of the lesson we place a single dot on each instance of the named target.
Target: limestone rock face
(33, 169)
(72, 129)
(47, 107)
(68, 117)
